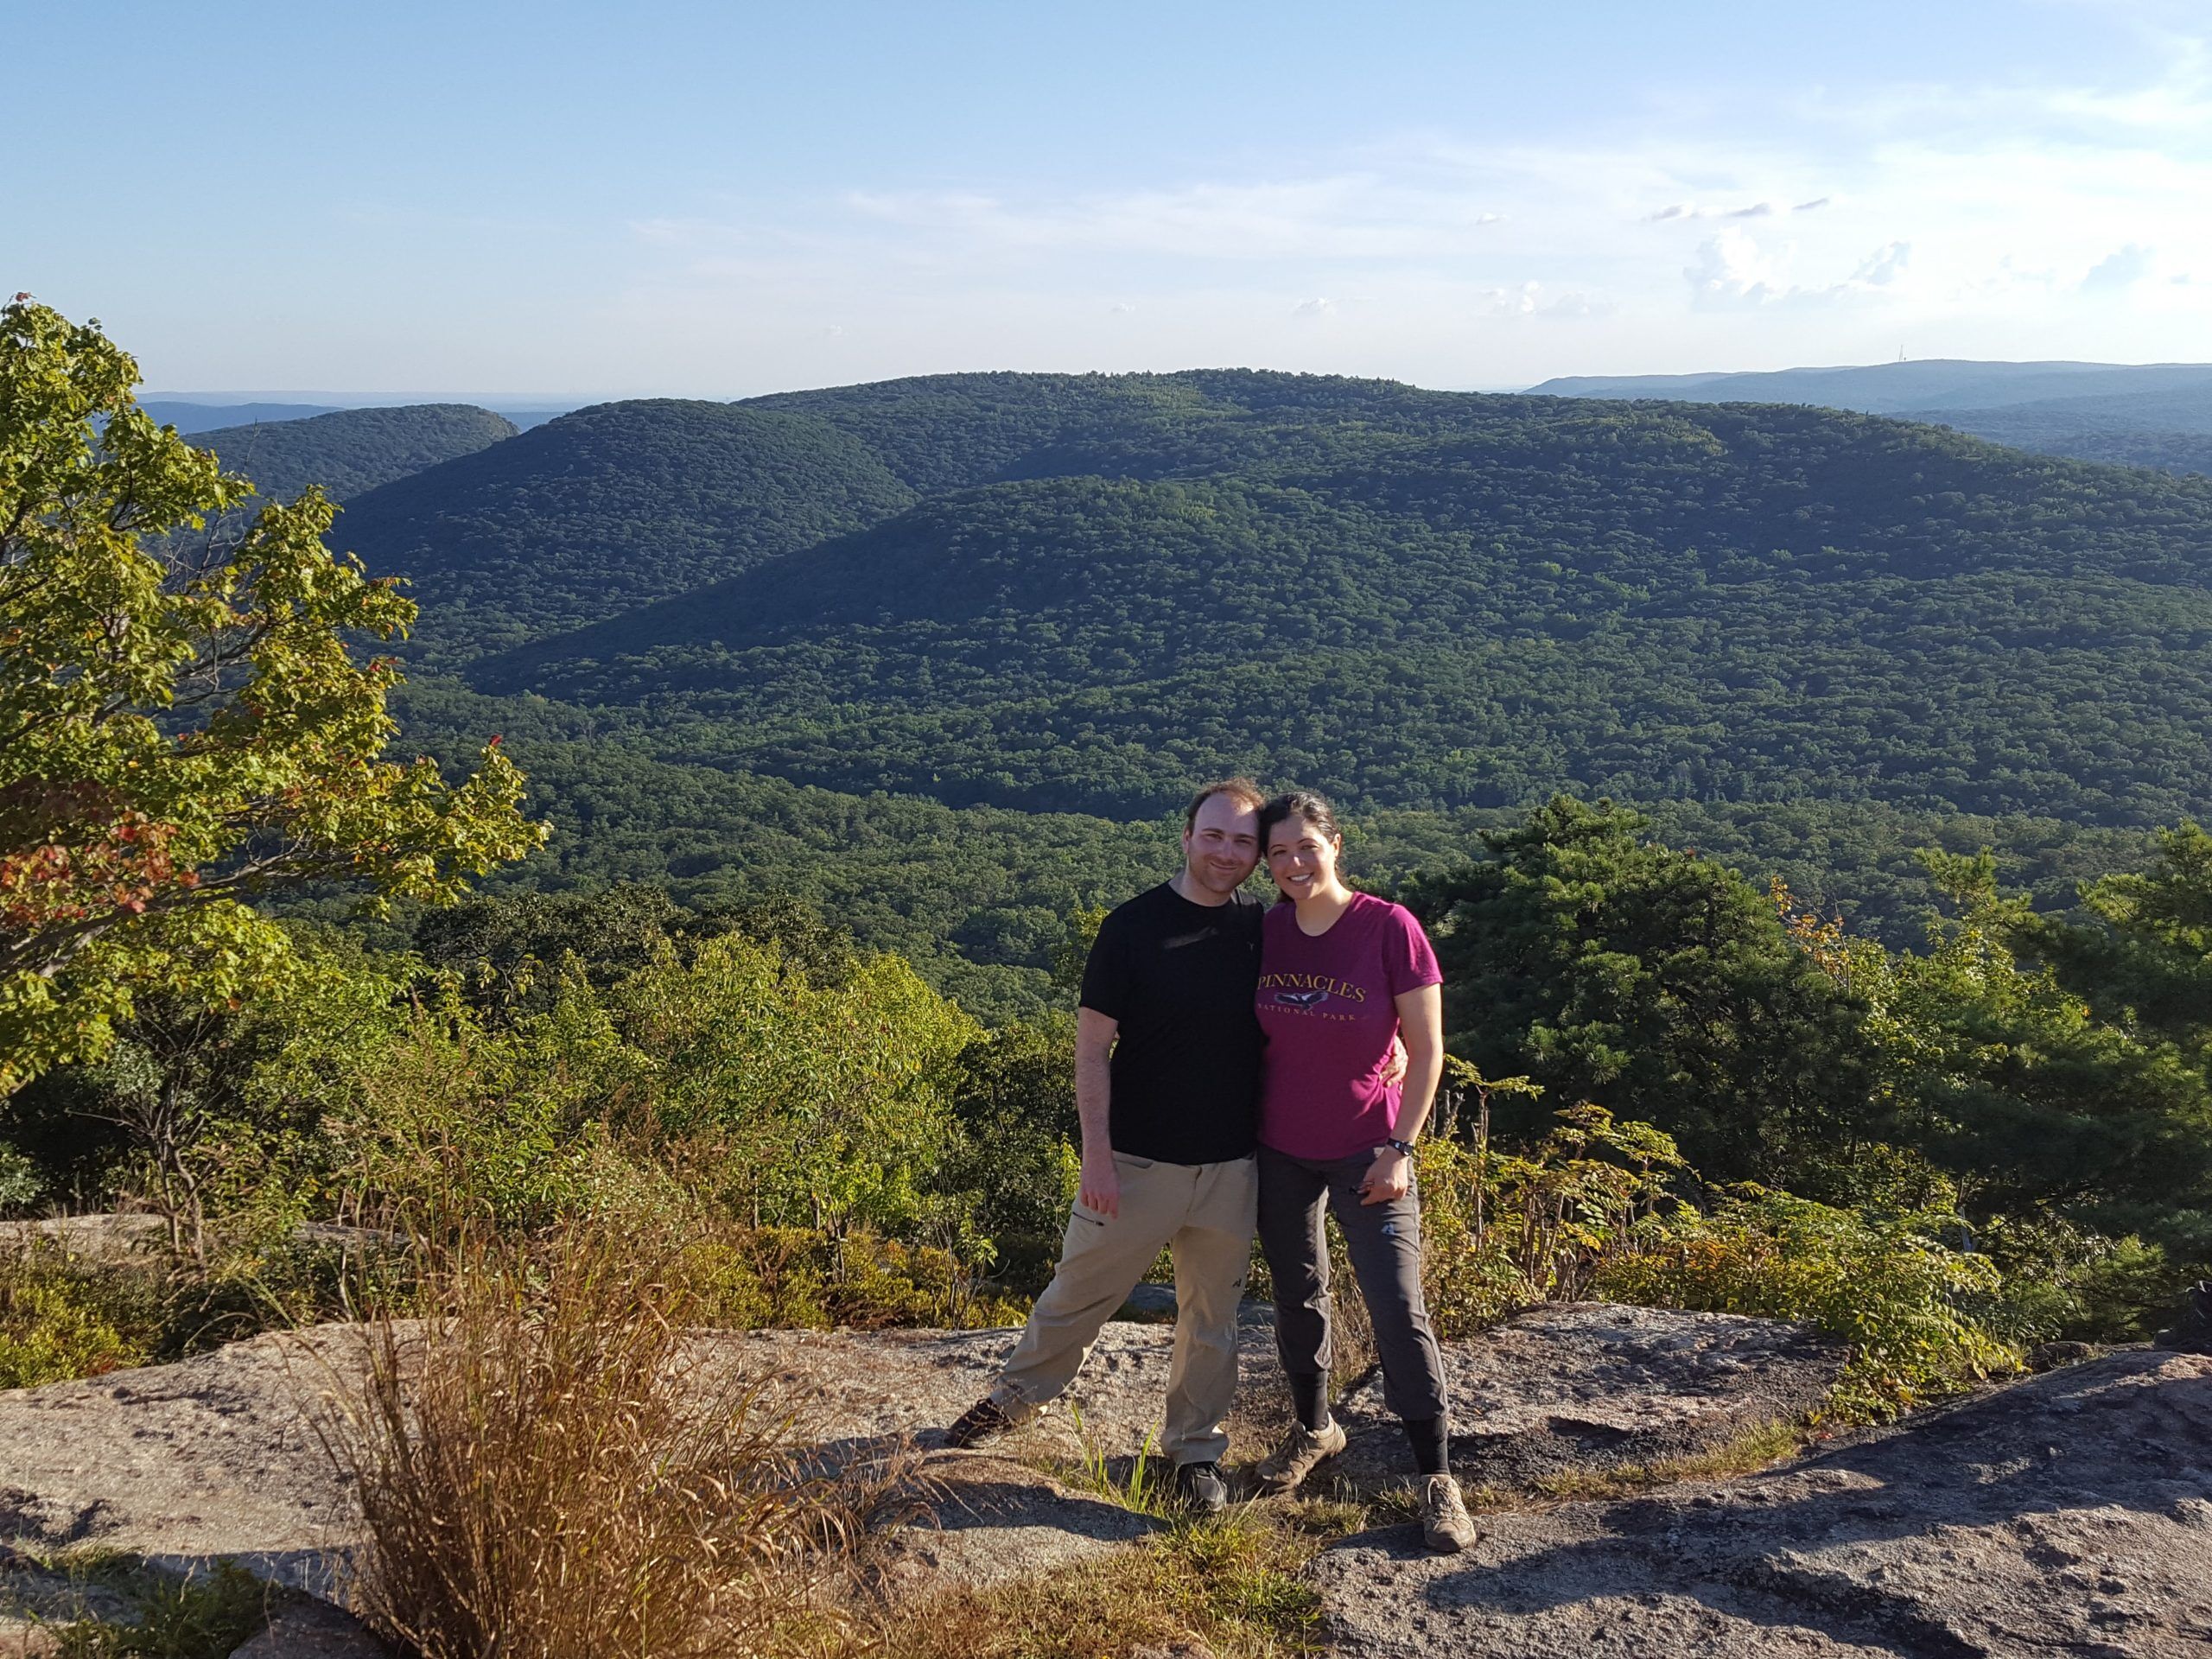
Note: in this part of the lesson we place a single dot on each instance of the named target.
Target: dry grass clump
(550, 1470)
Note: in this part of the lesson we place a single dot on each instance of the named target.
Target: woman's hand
(1390, 1176)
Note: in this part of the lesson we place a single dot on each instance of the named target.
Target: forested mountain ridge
(351, 451)
(2156, 415)
(614, 505)
(1433, 599)
(1902, 388)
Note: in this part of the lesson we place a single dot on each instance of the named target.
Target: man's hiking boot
(1200, 1488)
(1446, 1526)
(984, 1421)
(1285, 1469)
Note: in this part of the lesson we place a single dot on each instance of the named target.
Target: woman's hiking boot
(1446, 1526)
(1284, 1470)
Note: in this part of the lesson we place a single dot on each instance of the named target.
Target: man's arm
(1101, 1190)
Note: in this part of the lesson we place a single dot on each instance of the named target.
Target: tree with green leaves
(2032, 1100)
(1659, 984)
(185, 725)
(2142, 951)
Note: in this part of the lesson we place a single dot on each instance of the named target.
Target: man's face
(1222, 846)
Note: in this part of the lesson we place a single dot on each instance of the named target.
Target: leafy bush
(1592, 1209)
(799, 1278)
(785, 1103)
(1504, 1231)
(19, 1181)
(2062, 1283)
(61, 1317)
(1885, 1284)
(1013, 1096)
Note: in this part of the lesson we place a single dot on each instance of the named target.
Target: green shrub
(799, 1278)
(1013, 1096)
(19, 1181)
(1501, 1231)
(61, 1317)
(203, 1616)
(2061, 1282)
(1884, 1283)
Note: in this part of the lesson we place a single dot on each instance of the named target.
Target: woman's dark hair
(1304, 805)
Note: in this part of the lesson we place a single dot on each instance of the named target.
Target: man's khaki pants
(1205, 1214)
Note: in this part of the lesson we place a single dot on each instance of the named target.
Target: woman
(1341, 974)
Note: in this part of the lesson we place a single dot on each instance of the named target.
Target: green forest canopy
(1110, 590)
(1808, 642)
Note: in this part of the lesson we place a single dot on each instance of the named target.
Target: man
(1167, 1077)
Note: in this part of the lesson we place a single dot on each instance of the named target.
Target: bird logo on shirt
(1301, 998)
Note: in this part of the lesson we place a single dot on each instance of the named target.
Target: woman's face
(1300, 858)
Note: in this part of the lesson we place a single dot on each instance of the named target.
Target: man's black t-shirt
(1180, 978)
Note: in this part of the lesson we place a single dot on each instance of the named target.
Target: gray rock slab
(311, 1630)
(211, 1456)
(1595, 1385)
(2067, 1514)
(994, 1519)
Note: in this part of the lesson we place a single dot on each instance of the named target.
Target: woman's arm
(1421, 1018)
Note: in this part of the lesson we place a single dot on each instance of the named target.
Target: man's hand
(1100, 1190)
(1394, 1068)
(1390, 1176)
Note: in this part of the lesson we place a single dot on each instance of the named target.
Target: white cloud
(1732, 270)
(2122, 268)
(1756, 210)
(1883, 266)
(1961, 219)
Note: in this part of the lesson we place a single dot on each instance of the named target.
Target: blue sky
(717, 200)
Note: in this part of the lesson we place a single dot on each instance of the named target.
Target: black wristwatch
(1406, 1147)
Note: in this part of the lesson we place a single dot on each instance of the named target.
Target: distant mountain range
(767, 645)
(1083, 592)
(190, 417)
(2154, 415)
(350, 451)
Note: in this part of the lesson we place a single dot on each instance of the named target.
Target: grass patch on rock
(1231, 1585)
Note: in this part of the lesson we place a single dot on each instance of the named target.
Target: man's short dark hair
(1242, 788)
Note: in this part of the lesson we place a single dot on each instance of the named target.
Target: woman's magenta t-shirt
(1328, 1007)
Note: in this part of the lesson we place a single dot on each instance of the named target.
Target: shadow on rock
(2066, 1514)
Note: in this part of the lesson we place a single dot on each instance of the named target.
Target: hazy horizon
(712, 202)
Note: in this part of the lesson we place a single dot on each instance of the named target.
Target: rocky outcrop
(1574, 1384)
(2068, 1514)
(216, 1456)
(1595, 1386)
